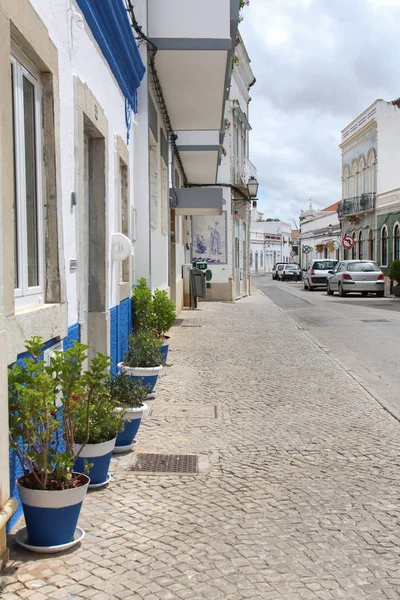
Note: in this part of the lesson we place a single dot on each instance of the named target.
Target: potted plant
(144, 360)
(104, 424)
(43, 403)
(130, 396)
(394, 275)
(162, 318)
(141, 305)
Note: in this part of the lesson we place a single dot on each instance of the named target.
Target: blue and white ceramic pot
(133, 418)
(97, 455)
(147, 375)
(165, 347)
(51, 516)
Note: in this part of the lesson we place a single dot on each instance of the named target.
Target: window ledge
(124, 290)
(47, 320)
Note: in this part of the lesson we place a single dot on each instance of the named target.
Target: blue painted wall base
(120, 328)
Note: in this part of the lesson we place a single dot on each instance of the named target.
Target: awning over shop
(196, 201)
(109, 23)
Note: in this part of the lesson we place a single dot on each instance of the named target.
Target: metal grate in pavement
(165, 463)
(375, 321)
(191, 325)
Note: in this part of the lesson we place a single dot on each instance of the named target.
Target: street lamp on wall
(330, 229)
(252, 187)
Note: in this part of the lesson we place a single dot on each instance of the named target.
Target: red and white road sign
(293, 253)
(347, 242)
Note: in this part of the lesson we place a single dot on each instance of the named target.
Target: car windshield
(280, 267)
(363, 267)
(324, 265)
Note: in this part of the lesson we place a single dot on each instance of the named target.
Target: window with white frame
(28, 200)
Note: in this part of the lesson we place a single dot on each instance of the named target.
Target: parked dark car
(275, 269)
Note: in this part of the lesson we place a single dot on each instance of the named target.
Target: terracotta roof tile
(331, 208)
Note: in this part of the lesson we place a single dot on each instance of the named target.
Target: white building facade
(96, 148)
(369, 211)
(223, 241)
(319, 235)
(270, 242)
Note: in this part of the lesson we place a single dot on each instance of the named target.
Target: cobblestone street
(298, 495)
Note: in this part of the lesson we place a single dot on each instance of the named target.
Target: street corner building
(123, 154)
(370, 208)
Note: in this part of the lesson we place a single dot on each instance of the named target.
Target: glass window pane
(30, 183)
(16, 237)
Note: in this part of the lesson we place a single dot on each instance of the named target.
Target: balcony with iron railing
(243, 169)
(357, 205)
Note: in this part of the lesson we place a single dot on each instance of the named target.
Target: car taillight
(346, 276)
(312, 272)
(381, 277)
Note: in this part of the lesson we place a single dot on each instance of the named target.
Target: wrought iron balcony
(242, 171)
(359, 204)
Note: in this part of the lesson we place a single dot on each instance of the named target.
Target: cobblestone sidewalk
(298, 495)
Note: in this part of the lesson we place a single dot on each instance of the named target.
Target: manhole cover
(178, 322)
(165, 463)
(375, 321)
(190, 325)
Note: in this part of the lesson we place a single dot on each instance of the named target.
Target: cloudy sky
(318, 65)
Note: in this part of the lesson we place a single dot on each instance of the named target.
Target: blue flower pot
(99, 456)
(164, 348)
(125, 438)
(51, 516)
(146, 375)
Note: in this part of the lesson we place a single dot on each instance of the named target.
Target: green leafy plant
(141, 305)
(163, 313)
(104, 421)
(235, 61)
(394, 271)
(144, 350)
(127, 392)
(44, 401)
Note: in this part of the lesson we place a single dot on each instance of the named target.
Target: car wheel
(328, 290)
(380, 294)
(364, 293)
(342, 293)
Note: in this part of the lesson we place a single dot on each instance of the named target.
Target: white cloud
(318, 64)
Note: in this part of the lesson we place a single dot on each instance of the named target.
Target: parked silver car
(316, 273)
(359, 276)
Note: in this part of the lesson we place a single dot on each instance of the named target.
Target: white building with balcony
(99, 145)
(223, 242)
(371, 184)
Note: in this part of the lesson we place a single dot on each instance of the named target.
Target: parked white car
(316, 273)
(356, 276)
